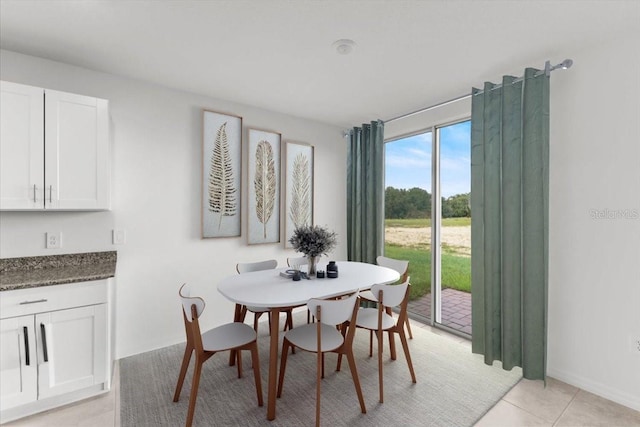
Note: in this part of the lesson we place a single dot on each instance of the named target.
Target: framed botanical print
(263, 204)
(298, 187)
(221, 174)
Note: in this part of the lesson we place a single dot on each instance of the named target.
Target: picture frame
(299, 187)
(263, 178)
(221, 174)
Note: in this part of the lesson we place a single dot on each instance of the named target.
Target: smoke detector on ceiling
(344, 46)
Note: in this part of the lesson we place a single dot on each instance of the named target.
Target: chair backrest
(333, 312)
(392, 295)
(188, 301)
(247, 267)
(399, 265)
(297, 262)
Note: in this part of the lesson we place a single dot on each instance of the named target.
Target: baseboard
(597, 388)
(53, 402)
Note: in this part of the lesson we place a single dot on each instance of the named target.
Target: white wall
(594, 266)
(156, 144)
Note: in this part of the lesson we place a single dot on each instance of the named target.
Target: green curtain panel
(365, 193)
(510, 217)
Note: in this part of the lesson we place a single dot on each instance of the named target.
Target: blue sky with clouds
(408, 160)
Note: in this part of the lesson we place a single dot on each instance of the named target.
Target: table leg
(236, 318)
(273, 364)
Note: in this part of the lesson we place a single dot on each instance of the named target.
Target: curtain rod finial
(567, 63)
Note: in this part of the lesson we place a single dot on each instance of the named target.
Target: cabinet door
(76, 152)
(73, 349)
(18, 364)
(21, 146)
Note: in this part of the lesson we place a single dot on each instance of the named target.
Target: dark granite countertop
(30, 272)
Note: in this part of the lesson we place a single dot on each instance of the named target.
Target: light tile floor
(527, 404)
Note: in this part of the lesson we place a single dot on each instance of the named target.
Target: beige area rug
(454, 388)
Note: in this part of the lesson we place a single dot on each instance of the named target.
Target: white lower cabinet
(56, 356)
(74, 349)
(18, 365)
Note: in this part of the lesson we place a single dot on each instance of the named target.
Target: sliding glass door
(428, 221)
(408, 208)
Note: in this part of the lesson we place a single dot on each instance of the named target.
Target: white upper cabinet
(55, 150)
(21, 146)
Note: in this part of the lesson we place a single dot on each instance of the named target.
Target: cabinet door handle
(25, 331)
(43, 331)
(33, 302)
(34, 193)
(50, 191)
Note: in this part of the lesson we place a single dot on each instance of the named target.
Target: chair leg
(319, 371)
(289, 322)
(356, 380)
(255, 362)
(344, 334)
(256, 316)
(239, 315)
(239, 363)
(392, 346)
(183, 371)
(283, 365)
(380, 335)
(194, 391)
(392, 341)
(371, 343)
(406, 321)
(407, 355)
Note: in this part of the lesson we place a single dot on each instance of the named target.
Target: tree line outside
(415, 202)
(411, 208)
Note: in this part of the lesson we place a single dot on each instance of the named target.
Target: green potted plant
(313, 241)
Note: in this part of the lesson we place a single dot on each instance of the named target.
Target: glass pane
(455, 232)
(408, 213)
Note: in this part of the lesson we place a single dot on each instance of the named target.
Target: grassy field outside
(456, 268)
(426, 222)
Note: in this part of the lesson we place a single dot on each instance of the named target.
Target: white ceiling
(278, 54)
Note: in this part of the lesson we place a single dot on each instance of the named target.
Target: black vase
(332, 270)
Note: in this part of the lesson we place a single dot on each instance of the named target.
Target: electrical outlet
(119, 237)
(53, 240)
(634, 345)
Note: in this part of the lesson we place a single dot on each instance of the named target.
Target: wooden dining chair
(379, 320)
(402, 267)
(322, 337)
(231, 336)
(246, 267)
(297, 262)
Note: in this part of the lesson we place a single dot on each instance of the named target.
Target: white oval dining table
(268, 289)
